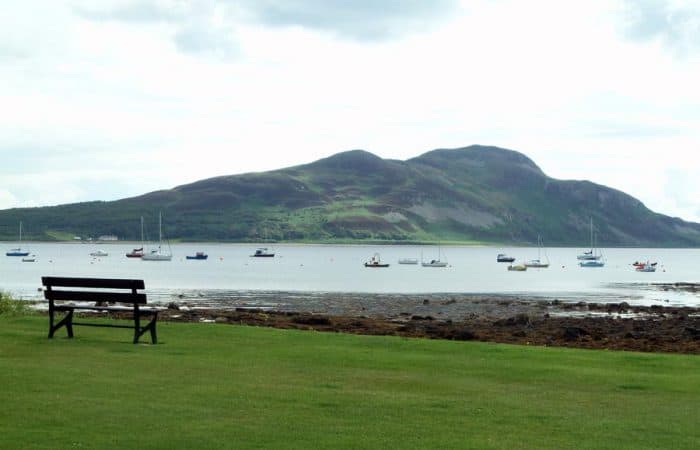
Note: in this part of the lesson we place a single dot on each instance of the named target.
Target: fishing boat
(99, 253)
(538, 263)
(198, 255)
(137, 252)
(502, 257)
(376, 261)
(517, 267)
(263, 252)
(590, 255)
(408, 261)
(18, 251)
(158, 254)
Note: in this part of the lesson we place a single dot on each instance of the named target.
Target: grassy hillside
(223, 386)
(473, 194)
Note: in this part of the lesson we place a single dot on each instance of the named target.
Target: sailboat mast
(20, 231)
(142, 233)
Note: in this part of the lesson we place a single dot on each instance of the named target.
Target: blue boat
(198, 255)
(18, 251)
(591, 263)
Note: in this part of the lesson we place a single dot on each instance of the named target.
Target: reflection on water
(312, 273)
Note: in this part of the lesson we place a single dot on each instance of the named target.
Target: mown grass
(222, 386)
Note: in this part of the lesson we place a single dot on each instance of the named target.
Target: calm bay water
(231, 272)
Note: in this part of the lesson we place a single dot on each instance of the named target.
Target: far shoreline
(451, 244)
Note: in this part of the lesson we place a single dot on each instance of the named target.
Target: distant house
(108, 237)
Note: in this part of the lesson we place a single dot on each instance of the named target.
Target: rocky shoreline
(513, 320)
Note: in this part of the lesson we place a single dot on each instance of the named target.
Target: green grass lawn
(221, 386)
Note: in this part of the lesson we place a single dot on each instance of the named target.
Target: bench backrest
(132, 297)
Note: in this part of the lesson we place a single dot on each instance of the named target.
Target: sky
(104, 100)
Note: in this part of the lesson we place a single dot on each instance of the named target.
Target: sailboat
(18, 251)
(158, 254)
(433, 262)
(538, 263)
(137, 252)
(589, 255)
(598, 261)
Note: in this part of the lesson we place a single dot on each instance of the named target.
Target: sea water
(230, 271)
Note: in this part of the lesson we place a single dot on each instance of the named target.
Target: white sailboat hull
(434, 264)
(156, 257)
(157, 254)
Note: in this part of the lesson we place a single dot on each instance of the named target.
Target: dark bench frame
(132, 297)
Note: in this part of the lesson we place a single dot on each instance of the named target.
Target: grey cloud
(135, 12)
(208, 26)
(677, 25)
(203, 39)
(359, 19)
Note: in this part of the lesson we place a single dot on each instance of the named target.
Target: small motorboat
(645, 267)
(99, 253)
(502, 257)
(29, 259)
(198, 255)
(262, 252)
(376, 261)
(408, 261)
(517, 268)
(135, 253)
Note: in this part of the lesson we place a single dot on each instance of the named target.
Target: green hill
(477, 193)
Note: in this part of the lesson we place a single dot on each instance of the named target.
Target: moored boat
(517, 268)
(502, 257)
(263, 252)
(99, 253)
(591, 263)
(408, 261)
(591, 254)
(198, 255)
(538, 263)
(645, 267)
(376, 261)
(158, 253)
(137, 252)
(18, 251)
(434, 263)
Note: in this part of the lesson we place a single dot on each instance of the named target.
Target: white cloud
(104, 100)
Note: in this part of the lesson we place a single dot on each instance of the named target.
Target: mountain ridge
(469, 194)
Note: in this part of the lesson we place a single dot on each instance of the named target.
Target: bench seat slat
(105, 325)
(103, 283)
(91, 296)
(66, 307)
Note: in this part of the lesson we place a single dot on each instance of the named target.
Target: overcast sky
(109, 99)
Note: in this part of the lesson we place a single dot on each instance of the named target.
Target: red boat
(135, 253)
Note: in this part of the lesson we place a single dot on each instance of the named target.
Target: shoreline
(553, 323)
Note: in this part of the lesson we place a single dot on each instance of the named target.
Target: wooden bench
(120, 291)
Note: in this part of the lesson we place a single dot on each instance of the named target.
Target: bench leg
(67, 321)
(138, 331)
